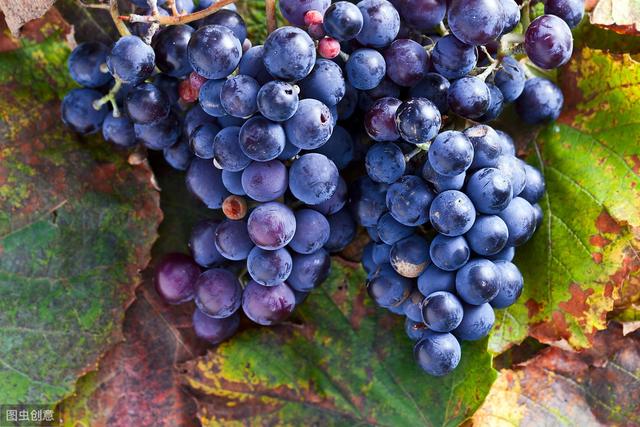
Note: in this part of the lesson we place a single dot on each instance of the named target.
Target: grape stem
(92, 5)
(111, 98)
(442, 30)
(176, 20)
(270, 12)
(415, 152)
(171, 4)
(115, 14)
(487, 71)
(525, 14)
(486, 52)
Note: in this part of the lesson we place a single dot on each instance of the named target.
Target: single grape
(451, 153)
(511, 284)
(277, 101)
(294, 10)
(487, 145)
(175, 278)
(265, 181)
(335, 202)
(119, 131)
(232, 240)
(289, 54)
(452, 58)
(442, 311)
(387, 288)
(86, 64)
(201, 244)
(488, 236)
(513, 168)
(342, 230)
(415, 330)
(385, 162)
(185, 7)
(449, 253)
(202, 140)
(234, 207)
(511, 11)
(269, 268)
(218, 293)
(435, 88)
(267, 305)
(408, 200)
(369, 265)
(325, 83)
(434, 279)
(227, 153)
(380, 23)
(312, 231)
(230, 19)
(233, 182)
(238, 96)
(548, 42)
(478, 281)
(510, 78)
(309, 270)
(539, 215)
(368, 201)
(496, 104)
(170, 47)
(252, 64)
(205, 182)
(476, 323)
(343, 21)
(179, 155)
(365, 68)
(476, 22)
(271, 225)
(407, 62)
(214, 330)
(131, 60)
(506, 254)
(439, 182)
(311, 125)
(159, 135)
(541, 101)
(313, 178)
(418, 120)
(469, 97)
(420, 14)
(391, 231)
(490, 190)
(381, 253)
(570, 11)
(437, 353)
(147, 104)
(413, 306)
(261, 139)
(214, 51)
(410, 256)
(452, 213)
(507, 143)
(520, 218)
(535, 186)
(289, 151)
(170, 86)
(339, 148)
(78, 112)
(380, 119)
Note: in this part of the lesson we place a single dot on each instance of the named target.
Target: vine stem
(270, 11)
(413, 153)
(111, 98)
(487, 72)
(115, 16)
(176, 20)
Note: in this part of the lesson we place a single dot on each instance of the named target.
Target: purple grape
(380, 120)
(312, 231)
(570, 11)
(309, 270)
(548, 42)
(214, 330)
(175, 278)
(476, 22)
(265, 181)
(541, 101)
(202, 243)
(218, 293)
(294, 10)
(313, 178)
(267, 305)
(271, 225)
(407, 62)
(204, 181)
(232, 240)
(269, 268)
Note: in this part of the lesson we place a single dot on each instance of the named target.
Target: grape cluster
(396, 96)
(255, 129)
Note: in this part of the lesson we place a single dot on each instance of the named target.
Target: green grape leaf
(585, 251)
(597, 387)
(76, 227)
(340, 361)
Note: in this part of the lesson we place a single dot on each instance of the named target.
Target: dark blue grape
(289, 151)
(415, 330)
(78, 112)
(451, 153)
(541, 101)
(469, 97)
(159, 135)
(205, 182)
(535, 186)
(490, 190)
(478, 281)
(506, 254)
(267, 305)
(218, 293)
(233, 182)
(385, 162)
(195, 118)
(365, 68)
(413, 306)
(418, 120)
(349, 102)
(342, 230)
(131, 60)
(442, 311)
(408, 200)
(335, 202)
(86, 64)
(381, 253)
(311, 125)
(175, 278)
(202, 244)
(312, 231)
(209, 98)
(422, 15)
(343, 21)
(277, 101)
(520, 218)
(185, 7)
(511, 284)
(147, 104)
(435, 88)
(388, 288)
(269, 268)
(452, 58)
(202, 140)
(289, 54)
(380, 23)
(252, 64)
(214, 51)
(339, 148)
(510, 78)
(265, 181)
(214, 330)
(294, 10)
(439, 182)
(368, 200)
(410, 256)
(238, 96)
(496, 104)
(513, 168)
(476, 323)
(230, 19)
(179, 155)
(367, 261)
(437, 353)
(449, 253)
(452, 213)
(407, 62)
(539, 215)
(548, 42)
(313, 178)
(507, 144)
(170, 86)
(119, 131)
(380, 119)
(434, 279)
(232, 240)
(391, 231)
(325, 83)
(570, 11)
(309, 270)
(261, 139)
(271, 225)
(488, 236)
(476, 22)
(227, 153)
(170, 47)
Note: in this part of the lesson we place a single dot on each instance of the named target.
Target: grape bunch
(383, 114)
